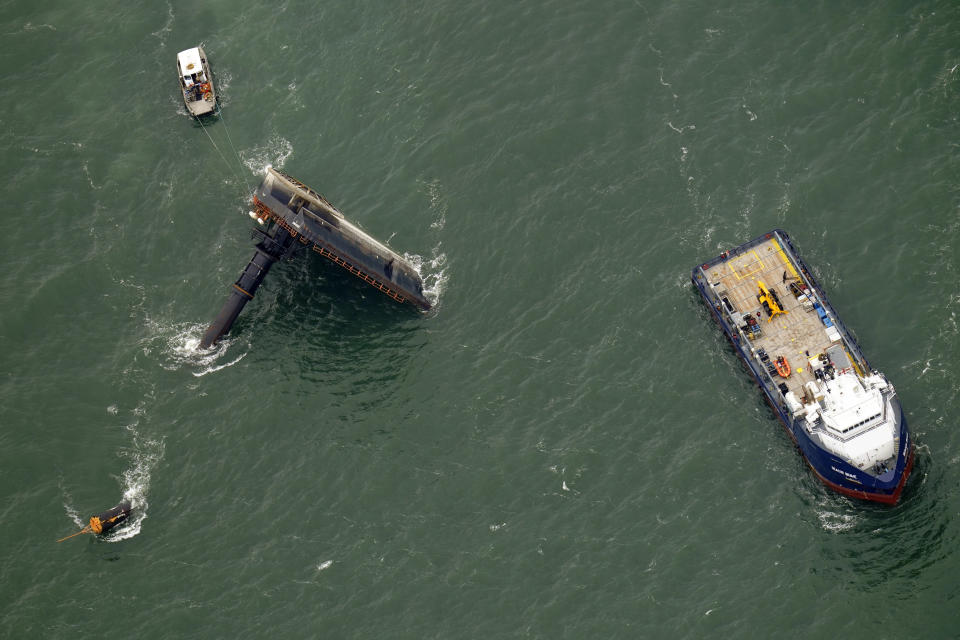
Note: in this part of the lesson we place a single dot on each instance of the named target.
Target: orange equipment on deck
(783, 367)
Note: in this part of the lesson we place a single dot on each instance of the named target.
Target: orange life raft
(783, 367)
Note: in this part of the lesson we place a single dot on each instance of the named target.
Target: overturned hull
(313, 221)
(298, 217)
(102, 523)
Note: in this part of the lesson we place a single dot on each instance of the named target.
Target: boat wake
(833, 520)
(143, 454)
(72, 513)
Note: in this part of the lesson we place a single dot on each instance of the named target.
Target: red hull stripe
(885, 498)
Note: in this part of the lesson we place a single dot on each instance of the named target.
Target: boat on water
(293, 216)
(844, 416)
(196, 81)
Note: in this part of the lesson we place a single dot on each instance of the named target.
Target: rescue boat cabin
(196, 82)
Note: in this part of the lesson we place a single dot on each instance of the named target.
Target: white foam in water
(36, 27)
(179, 348)
(74, 515)
(223, 78)
(144, 456)
(273, 154)
(211, 369)
(832, 521)
(432, 272)
(68, 507)
(174, 347)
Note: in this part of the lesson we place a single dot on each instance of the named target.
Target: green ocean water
(564, 447)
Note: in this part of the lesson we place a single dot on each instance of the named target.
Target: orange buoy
(783, 367)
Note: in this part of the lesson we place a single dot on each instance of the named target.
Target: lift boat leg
(269, 250)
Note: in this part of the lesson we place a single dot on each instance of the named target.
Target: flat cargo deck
(798, 334)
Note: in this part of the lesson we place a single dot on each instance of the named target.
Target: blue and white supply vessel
(843, 415)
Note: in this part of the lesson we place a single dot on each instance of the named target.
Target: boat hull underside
(316, 223)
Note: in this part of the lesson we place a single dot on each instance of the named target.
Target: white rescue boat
(196, 81)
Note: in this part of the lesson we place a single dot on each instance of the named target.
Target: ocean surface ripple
(564, 446)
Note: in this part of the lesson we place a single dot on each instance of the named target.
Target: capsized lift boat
(196, 81)
(292, 216)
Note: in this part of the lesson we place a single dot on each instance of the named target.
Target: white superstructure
(196, 83)
(849, 415)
